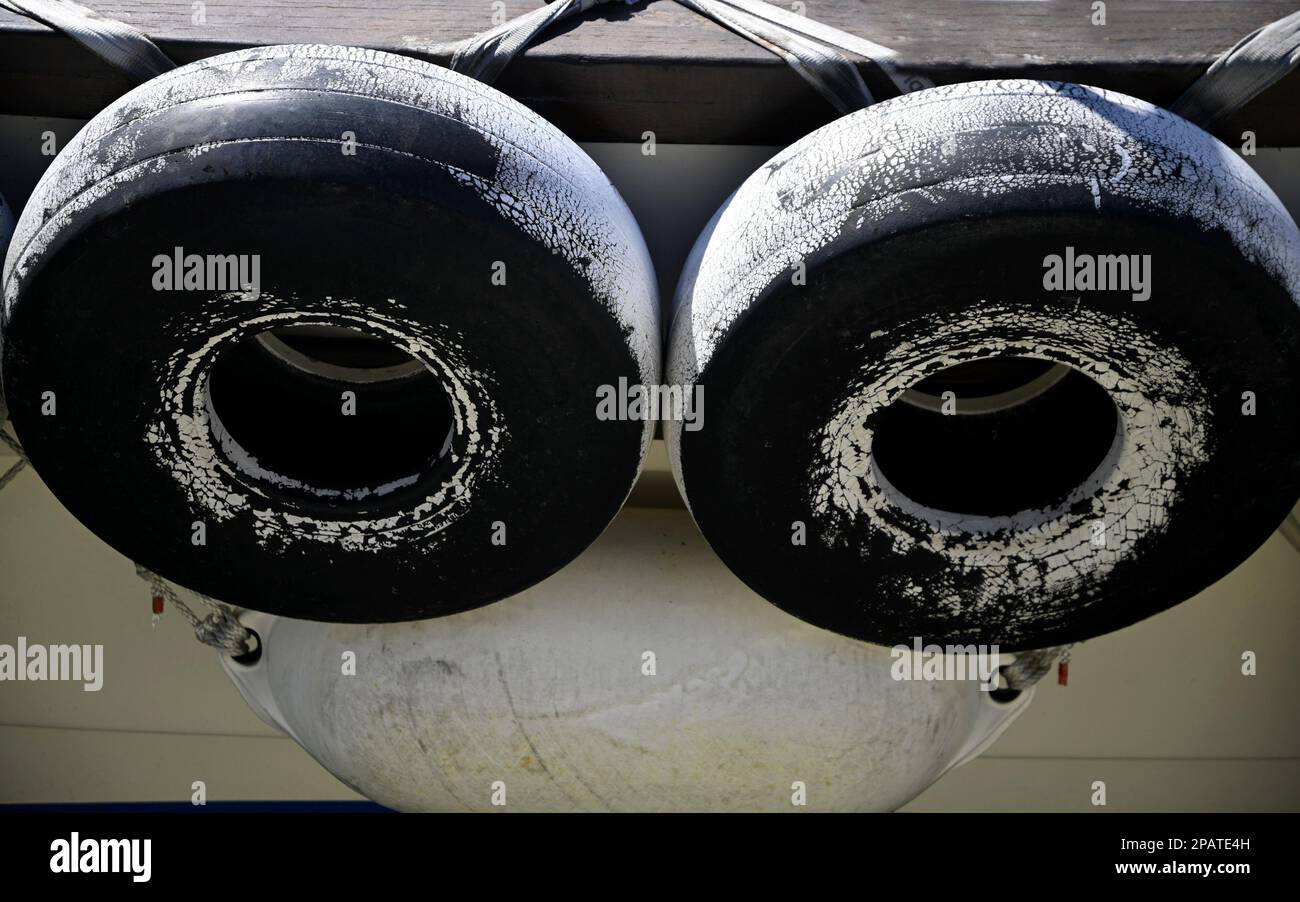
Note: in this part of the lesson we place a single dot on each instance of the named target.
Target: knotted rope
(220, 628)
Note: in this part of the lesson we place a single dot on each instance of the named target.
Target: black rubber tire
(248, 153)
(923, 226)
(6, 233)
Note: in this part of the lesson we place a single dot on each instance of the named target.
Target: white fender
(549, 693)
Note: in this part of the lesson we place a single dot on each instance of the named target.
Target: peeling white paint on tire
(869, 164)
(187, 433)
(954, 166)
(421, 173)
(1042, 556)
(543, 183)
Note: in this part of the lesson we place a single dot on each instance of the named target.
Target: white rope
(220, 628)
(1031, 666)
(17, 468)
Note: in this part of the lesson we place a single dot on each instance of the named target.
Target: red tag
(157, 605)
(1063, 673)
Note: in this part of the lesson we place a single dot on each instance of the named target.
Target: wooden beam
(656, 66)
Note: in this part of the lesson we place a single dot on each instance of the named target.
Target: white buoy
(677, 689)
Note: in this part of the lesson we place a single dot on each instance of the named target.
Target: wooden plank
(656, 66)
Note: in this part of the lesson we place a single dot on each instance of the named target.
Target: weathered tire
(924, 226)
(6, 232)
(380, 194)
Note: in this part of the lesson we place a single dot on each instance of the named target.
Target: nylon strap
(1258, 61)
(125, 47)
(483, 56)
(823, 56)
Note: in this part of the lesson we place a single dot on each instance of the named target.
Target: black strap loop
(823, 56)
(1258, 61)
(125, 47)
(484, 56)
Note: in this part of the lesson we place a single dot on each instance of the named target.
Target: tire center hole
(324, 413)
(995, 436)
